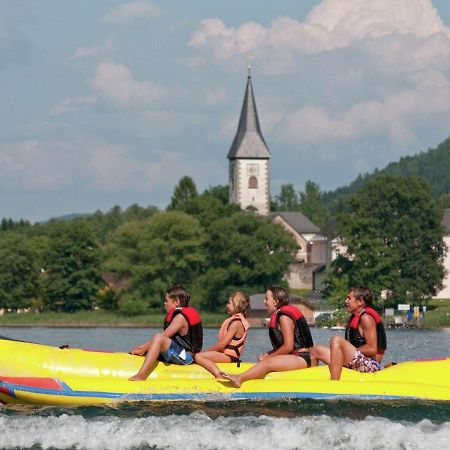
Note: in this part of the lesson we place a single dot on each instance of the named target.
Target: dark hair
(362, 293)
(280, 295)
(179, 293)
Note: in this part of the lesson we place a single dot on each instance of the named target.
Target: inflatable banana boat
(44, 375)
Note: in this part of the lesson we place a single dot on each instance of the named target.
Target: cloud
(368, 69)
(115, 83)
(35, 165)
(331, 25)
(139, 10)
(101, 49)
(395, 116)
(72, 104)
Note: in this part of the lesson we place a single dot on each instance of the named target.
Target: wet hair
(178, 292)
(362, 293)
(280, 295)
(241, 302)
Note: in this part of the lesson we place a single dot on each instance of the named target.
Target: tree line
(124, 260)
(200, 240)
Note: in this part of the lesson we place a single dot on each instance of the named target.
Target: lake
(324, 424)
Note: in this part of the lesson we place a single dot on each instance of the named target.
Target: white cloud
(115, 83)
(35, 165)
(395, 116)
(101, 49)
(400, 35)
(139, 10)
(73, 104)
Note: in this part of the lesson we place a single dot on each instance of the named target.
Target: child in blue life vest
(290, 337)
(181, 339)
(231, 338)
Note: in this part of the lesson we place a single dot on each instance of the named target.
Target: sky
(109, 102)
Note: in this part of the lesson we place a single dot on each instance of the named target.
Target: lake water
(307, 424)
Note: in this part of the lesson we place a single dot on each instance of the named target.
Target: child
(365, 338)
(290, 337)
(231, 338)
(181, 339)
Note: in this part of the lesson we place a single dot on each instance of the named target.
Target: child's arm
(236, 328)
(287, 330)
(178, 325)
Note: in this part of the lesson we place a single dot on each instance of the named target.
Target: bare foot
(137, 377)
(233, 379)
(139, 351)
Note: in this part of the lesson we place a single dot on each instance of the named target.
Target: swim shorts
(363, 363)
(177, 355)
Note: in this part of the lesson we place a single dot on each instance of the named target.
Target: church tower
(249, 159)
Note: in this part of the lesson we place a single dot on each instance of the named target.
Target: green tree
(19, 270)
(165, 249)
(312, 204)
(287, 199)
(394, 238)
(184, 191)
(245, 251)
(72, 267)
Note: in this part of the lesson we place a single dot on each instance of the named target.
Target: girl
(290, 337)
(231, 338)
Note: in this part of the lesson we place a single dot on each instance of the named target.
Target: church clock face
(252, 170)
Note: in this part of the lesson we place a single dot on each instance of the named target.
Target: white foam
(239, 432)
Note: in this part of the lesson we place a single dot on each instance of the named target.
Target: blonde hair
(241, 302)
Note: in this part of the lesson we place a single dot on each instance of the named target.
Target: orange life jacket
(235, 347)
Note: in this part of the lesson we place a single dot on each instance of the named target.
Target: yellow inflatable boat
(44, 375)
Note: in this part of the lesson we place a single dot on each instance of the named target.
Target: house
(258, 311)
(445, 291)
(310, 258)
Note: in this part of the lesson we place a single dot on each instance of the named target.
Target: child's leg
(207, 360)
(320, 353)
(341, 353)
(274, 364)
(158, 344)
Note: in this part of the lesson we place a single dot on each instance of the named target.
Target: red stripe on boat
(44, 383)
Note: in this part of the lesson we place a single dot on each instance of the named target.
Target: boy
(365, 338)
(181, 339)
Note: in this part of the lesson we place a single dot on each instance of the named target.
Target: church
(249, 181)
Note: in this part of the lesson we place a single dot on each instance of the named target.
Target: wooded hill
(433, 165)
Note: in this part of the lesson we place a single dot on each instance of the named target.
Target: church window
(253, 183)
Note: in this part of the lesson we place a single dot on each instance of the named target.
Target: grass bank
(97, 318)
(438, 314)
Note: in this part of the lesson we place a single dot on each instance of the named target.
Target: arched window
(253, 183)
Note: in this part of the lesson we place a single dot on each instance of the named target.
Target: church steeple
(249, 141)
(249, 159)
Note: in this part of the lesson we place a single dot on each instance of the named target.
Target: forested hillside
(433, 165)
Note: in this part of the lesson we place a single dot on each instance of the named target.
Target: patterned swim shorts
(363, 363)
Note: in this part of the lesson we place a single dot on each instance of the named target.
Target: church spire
(249, 159)
(249, 141)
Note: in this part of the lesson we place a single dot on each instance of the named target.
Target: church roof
(249, 141)
(297, 221)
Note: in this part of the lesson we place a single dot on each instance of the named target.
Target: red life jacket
(193, 340)
(235, 347)
(302, 335)
(355, 338)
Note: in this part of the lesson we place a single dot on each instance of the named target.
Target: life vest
(193, 340)
(236, 345)
(355, 338)
(302, 335)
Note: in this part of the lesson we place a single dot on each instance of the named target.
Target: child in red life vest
(365, 338)
(231, 338)
(181, 339)
(290, 337)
